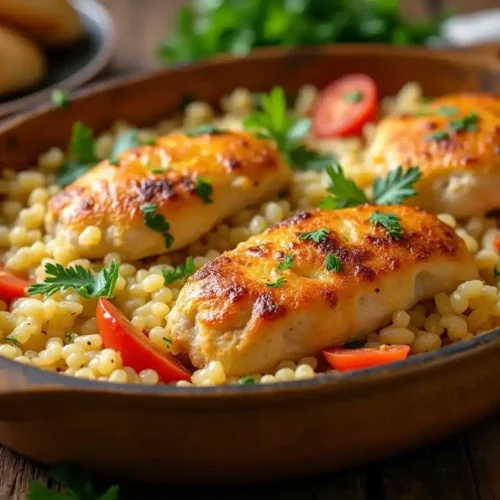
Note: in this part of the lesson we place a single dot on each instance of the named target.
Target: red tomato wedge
(137, 350)
(344, 360)
(11, 287)
(496, 242)
(345, 106)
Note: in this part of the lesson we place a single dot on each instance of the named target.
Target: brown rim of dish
(34, 380)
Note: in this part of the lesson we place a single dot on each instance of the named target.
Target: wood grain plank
(482, 444)
(439, 471)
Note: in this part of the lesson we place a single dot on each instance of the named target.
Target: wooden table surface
(462, 467)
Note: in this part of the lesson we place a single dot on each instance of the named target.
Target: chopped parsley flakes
(286, 263)
(157, 222)
(317, 236)
(390, 222)
(277, 284)
(203, 188)
(333, 263)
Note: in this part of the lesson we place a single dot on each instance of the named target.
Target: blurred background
(64, 44)
(396, 21)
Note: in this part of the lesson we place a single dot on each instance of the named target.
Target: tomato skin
(496, 242)
(343, 360)
(136, 349)
(334, 116)
(12, 287)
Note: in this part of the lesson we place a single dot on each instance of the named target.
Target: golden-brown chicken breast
(457, 150)
(346, 276)
(204, 180)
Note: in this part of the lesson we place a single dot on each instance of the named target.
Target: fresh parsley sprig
(82, 280)
(182, 271)
(344, 192)
(396, 187)
(274, 123)
(82, 150)
(157, 222)
(82, 155)
(390, 222)
(77, 483)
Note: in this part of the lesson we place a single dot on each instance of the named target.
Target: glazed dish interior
(202, 251)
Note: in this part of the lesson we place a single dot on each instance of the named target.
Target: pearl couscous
(60, 333)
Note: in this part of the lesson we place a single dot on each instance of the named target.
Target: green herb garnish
(60, 98)
(151, 141)
(345, 191)
(157, 222)
(273, 123)
(439, 136)
(67, 338)
(286, 263)
(496, 272)
(158, 170)
(77, 483)
(447, 110)
(203, 188)
(82, 154)
(79, 278)
(390, 222)
(12, 340)
(246, 380)
(204, 129)
(123, 142)
(182, 271)
(396, 186)
(168, 341)
(207, 28)
(276, 284)
(466, 124)
(317, 236)
(354, 97)
(333, 263)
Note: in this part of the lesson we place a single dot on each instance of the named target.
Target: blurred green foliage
(211, 27)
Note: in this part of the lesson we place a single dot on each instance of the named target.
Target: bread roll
(22, 63)
(50, 22)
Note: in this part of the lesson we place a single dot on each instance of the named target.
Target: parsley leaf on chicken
(157, 222)
(390, 222)
(396, 187)
(77, 277)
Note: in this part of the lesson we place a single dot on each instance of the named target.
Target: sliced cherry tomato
(136, 349)
(496, 242)
(354, 359)
(344, 106)
(11, 287)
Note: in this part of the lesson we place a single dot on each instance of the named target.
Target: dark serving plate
(69, 67)
(261, 432)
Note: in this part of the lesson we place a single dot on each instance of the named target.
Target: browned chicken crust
(460, 173)
(241, 169)
(227, 311)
